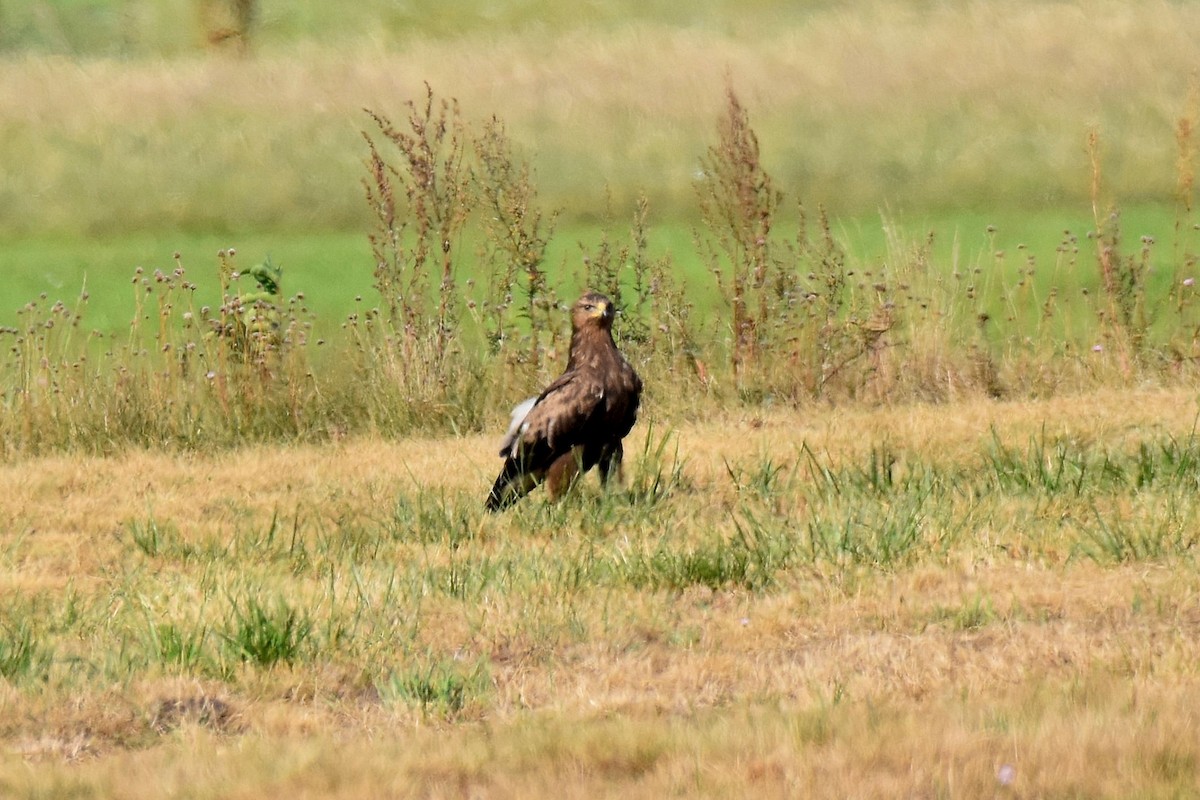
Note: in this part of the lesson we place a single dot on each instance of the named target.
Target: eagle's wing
(624, 398)
(560, 413)
(556, 422)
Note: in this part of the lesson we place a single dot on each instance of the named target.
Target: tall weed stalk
(519, 311)
(416, 245)
(797, 326)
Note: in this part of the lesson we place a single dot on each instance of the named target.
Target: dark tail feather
(510, 486)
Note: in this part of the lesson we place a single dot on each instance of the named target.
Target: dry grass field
(912, 509)
(980, 599)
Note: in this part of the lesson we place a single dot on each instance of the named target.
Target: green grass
(22, 656)
(266, 632)
(443, 688)
(333, 269)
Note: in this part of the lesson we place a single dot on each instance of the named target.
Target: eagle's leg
(562, 472)
(610, 463)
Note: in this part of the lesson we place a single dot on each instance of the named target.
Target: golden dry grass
(922, 677)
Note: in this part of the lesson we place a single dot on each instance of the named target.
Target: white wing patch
(517, 426)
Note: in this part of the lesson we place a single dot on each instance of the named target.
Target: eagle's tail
(511, 485)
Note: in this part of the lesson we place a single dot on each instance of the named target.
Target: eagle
(579, 420)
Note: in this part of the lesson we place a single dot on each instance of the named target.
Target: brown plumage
(579, 420)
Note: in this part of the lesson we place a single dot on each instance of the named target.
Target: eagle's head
(593, 309)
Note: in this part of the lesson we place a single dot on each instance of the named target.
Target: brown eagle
(579, 420)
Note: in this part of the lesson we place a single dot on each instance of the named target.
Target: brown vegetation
(574, 650)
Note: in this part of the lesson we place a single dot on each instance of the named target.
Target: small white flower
(1097, 348)
(1006, 774)
(1189, 281)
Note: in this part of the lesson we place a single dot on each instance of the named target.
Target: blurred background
(133, 128)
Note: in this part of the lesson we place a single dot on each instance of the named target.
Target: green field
(334, 268)
(128, 139)
(910, 507)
